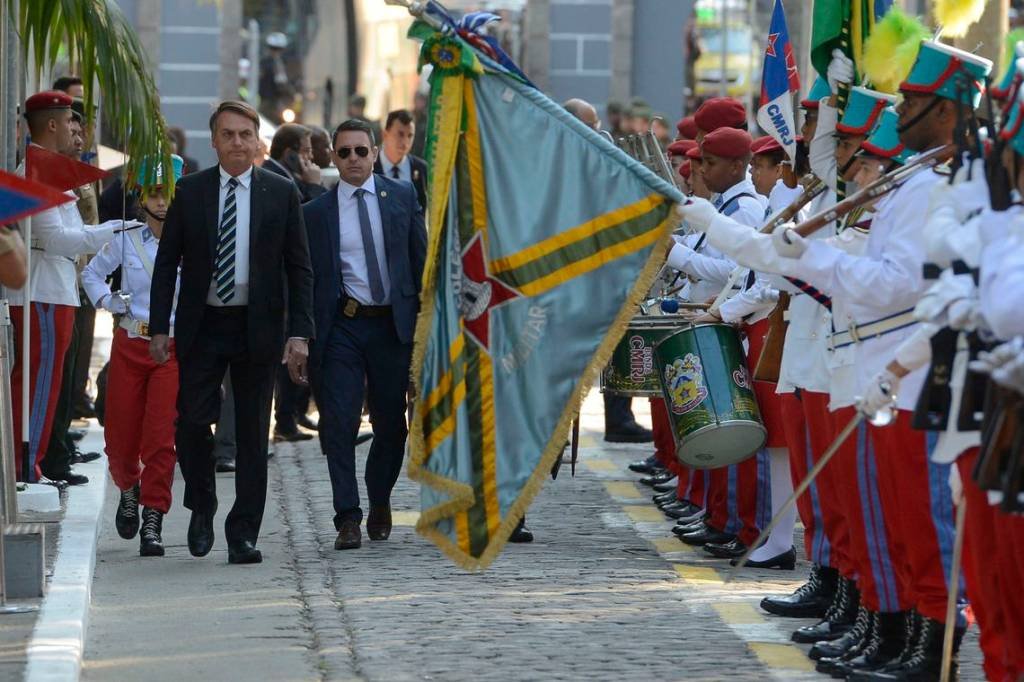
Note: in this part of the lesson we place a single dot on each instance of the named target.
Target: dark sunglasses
(345, 152)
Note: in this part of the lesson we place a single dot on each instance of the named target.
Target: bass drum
(709, 396)
(631, 371)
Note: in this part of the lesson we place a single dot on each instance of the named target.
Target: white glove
(697, 213)
(989, 361)
(787, 242)
(1011, 375)
(880, 394)
(940, 297)
(964, 314)
(840, 70)
(971, 194)
(115, 304)
(767, 295)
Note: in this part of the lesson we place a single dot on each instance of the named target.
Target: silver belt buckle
(852, 330)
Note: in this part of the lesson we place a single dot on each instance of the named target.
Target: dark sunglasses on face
(345, 152)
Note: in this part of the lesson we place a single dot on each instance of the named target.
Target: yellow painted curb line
(644, 514)
(781, 656)
(697, 574)
(738, 613)
(600, 465)
(624, 489)
(669, 545)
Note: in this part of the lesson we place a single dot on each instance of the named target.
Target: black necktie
(394, 172)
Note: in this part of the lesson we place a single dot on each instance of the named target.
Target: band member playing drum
(141, 394)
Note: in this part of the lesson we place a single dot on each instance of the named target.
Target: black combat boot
(838, 647)
(127, 518)
(887, 643)
(829, 666)
(810, 600)
(837, 621)
(924, 662)
(150, 541)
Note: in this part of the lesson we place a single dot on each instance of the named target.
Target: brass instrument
(875, 190)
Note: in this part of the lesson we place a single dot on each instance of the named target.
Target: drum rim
(715, 426)
(691, 326)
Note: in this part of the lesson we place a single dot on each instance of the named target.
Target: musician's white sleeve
(916, 351)
(699, 265)
(749, 302)
(822, 149)
(1002, 280)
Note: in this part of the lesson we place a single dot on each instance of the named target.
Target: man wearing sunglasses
(368, 245)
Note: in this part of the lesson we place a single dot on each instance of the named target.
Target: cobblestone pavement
(604, 593)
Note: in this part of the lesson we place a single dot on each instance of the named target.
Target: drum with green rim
(631, 371)
(709, 396)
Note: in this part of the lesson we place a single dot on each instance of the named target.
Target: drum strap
(724, 210)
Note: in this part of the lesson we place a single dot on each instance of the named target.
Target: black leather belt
(350, 307)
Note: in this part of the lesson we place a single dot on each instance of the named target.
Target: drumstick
(954, 591)
(800, 489)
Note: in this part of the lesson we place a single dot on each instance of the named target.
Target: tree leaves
(98, 38)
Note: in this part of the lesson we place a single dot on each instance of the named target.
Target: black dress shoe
(707, 535)
(660, 476)
(224, 466)
(200, 533)
(838, 620)
(151, 543)
(291, 436)
(305, 422)
(76, 434)
(669, 497)
(682, 529)
(630, 432)
(378, 522)
(785, 561)
(810, 600)
(67, 477)
(363, 437)
(669, 486)
(645, 466)
(126, 520)
(521, 533)
(682, 510)
(83, 409)
(79, 457)
(733, 549)
(349, 535)
(244, 552)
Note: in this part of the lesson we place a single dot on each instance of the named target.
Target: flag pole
(26, 349)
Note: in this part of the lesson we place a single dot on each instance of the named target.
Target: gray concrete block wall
(580, 50)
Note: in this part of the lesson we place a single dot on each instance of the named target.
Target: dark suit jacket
(278, 254)
(419, 177)
(405, 243)
(307, 190)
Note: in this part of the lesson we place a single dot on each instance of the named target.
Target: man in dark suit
(236, 232)
(368, 246)
(395, 161)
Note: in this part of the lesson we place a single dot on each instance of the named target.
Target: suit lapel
(211, 202)
(384, 201)
(333, 229)
(256, 190)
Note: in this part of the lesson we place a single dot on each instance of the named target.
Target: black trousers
(222, 346)
(85, 321)
(291, 402)
(358, 353)
(618, 412)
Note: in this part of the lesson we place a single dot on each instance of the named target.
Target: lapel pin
(383, 195)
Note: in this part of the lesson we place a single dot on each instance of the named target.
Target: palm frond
(98, 37)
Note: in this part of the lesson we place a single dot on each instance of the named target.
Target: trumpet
(875, 190)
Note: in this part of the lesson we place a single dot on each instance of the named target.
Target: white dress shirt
(354, 276)
(135, 278)
(243, 205)
(404, 167)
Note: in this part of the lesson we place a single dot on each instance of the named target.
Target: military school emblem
(684, 383)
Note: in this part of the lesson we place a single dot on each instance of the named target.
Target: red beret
(756, 145)
(687, 128)
(771, 145)
(685, 170)
(695, 153)
(729, 143)
(680, 147)
(51, 99)
(720, 112)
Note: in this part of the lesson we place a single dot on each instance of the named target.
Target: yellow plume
(956, 16)
(890, 50)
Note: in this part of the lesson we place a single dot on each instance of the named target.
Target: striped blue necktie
(225, 272)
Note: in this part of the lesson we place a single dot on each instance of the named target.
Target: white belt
(858, 333)
(138, 327)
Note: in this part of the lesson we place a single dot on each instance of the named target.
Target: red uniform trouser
(664, 441)
(740, 495)
(51, 327)
(918, 509)
(140, 414)
(869, 551)
(834, 489)
(994, 575)
(805, 432)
